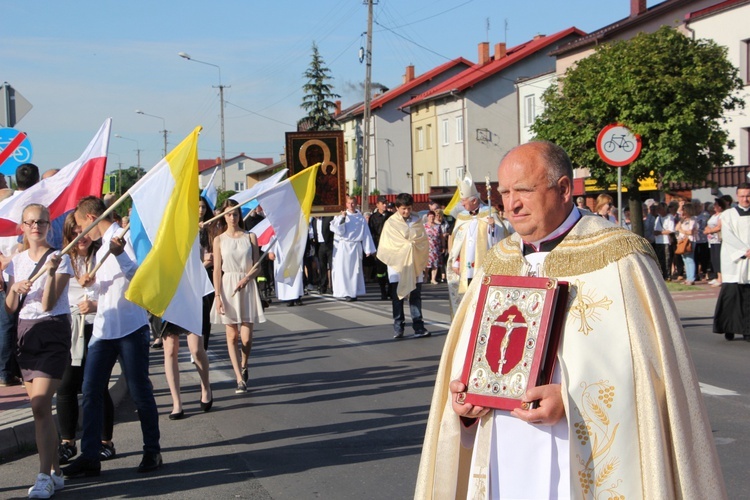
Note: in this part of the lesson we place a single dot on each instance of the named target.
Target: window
(421, 183)
(460, 172)
(459, 129)
(346, 150)
(745, 61)
(445, 133)
(420, 139)
(239, 186)
(241, 165)
(528, 110)
(429, 136)
(446, 177)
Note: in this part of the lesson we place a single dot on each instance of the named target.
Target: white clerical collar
(563, 228)
(744, 209)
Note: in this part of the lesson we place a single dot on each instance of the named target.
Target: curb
(18, 434)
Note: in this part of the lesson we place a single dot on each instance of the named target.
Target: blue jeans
(133, 351)
(7, 342)
(689, 260)
(415, 308)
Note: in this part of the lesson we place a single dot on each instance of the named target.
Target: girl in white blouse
(43, 335)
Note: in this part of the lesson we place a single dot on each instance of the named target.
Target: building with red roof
(241, 171)
(471, 120)
(390, 145)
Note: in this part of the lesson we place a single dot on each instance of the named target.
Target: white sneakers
(46, 485)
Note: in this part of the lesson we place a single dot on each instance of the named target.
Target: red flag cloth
(264, 231)
(61, 192)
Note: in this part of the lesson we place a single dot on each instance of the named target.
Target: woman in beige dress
(235, 251)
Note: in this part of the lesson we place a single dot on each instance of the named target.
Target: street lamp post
(221, 99)
(137, 148)
(163, 131)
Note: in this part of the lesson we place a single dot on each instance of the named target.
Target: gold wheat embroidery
(596, 433)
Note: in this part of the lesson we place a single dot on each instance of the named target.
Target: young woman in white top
(43, 336)
(235, 251)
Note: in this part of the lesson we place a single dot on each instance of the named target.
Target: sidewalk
(17, 423)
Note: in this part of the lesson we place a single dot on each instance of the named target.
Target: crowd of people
(66, 322)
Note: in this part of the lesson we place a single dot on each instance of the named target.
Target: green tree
(223, 196)
(667, 88)
(126, 178)
(318, 101)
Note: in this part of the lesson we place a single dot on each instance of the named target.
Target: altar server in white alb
(623, 417)
(732, 315)
(351, 238)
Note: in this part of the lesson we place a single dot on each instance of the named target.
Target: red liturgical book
(514, 339)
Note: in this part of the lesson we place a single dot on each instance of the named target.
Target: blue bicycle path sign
(15, 150)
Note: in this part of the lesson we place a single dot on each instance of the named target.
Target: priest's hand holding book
(545, 405)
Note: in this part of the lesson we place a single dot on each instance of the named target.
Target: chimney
(409, 75)
(637, 7)
(500, 51)
(484, 53)
(337, 111)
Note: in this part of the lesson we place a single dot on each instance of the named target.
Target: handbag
(684, 246)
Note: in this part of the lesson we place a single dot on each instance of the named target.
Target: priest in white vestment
(732, 314)
(476, 230)
(351, 239)
(623, 416)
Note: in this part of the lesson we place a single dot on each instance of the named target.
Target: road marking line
(356, 343)
(712, 390)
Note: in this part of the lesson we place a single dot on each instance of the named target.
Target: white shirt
(116, 316)
(21, 267)
(663, 223)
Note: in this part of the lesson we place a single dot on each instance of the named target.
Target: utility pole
(366, 118)
(223, 158)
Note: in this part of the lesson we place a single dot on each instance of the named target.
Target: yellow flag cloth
(405, 248)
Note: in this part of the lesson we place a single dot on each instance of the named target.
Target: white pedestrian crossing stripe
(712, 390)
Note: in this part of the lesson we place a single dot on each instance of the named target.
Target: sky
(81, 62)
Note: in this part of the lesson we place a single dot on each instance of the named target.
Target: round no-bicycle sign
(617, 145)
(15, 150)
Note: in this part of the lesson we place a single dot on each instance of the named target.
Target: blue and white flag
(209, 192)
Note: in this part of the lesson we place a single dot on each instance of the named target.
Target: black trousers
(663, 253)
(325, 255)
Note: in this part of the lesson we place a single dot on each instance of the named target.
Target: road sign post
(619, 147)
(15, 150)
(13, 106)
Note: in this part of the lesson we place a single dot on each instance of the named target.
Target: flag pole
(103, 216)
(202, 224)
(262, 257)
(93, 271)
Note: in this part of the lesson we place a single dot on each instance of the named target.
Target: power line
(258, 114)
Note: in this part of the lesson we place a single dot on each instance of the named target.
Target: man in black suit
(376, 222)
(323, 241)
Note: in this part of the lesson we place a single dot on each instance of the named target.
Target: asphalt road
(337, 410)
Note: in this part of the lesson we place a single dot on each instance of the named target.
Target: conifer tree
(318, 101)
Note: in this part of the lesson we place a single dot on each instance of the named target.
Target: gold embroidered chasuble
(636, 419)
(405, 248)
(458, 281)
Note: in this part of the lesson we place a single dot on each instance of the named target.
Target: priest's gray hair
(557, 162)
